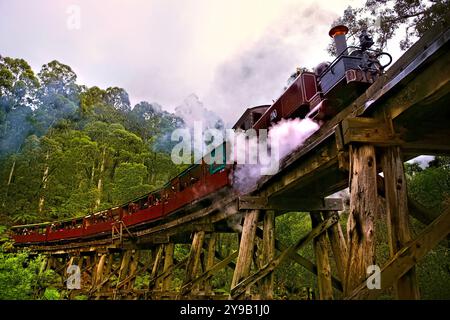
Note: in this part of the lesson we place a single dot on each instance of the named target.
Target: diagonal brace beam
(242, 286)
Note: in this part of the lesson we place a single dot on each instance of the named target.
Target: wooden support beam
(166, 273)
(246, 247)
(290, 204)
(322, 259)
(155, 269)
(407, 257)
(208, 274)
(108, 271)
(168, 263)
(398, 217)
(369, 131)
(219, 256)
(342, 152)
(338, 246)
(133, 268)
(125, 263)
(108, 275)
(210, 255)
(99, 270)
(268, 252)
(305, 263)
(363, 208)
(242, 286)
(127, 283)
(194, 262)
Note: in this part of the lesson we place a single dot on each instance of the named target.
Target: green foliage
(71, 150)
(21, 276)
(51, 294)
(129, 181)
(384, 18)
(291, 279)
(431, 187)
(434, 274)
(68, 150)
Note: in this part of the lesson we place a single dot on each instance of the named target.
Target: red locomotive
(318, 95)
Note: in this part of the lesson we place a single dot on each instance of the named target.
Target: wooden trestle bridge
(405, 113)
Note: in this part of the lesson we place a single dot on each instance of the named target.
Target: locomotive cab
(353, 70)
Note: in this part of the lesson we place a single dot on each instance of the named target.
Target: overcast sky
(232, 54)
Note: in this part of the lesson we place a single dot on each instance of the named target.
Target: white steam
(284, 137)
(192, 110)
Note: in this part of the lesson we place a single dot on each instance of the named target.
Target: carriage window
(216, 167)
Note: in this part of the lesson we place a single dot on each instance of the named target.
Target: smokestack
(338, 34)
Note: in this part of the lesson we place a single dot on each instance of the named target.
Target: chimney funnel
(338, 34)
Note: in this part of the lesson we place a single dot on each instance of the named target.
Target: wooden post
(338, 245)
(133, 269)
(108, 269)
(82, 268)
(168, 263)
(210, 260)
(99, 270)
(156, 262)
(363, 208)
(245, 284)
(407, 257)
(268, 252)
(124, 265)
(323, 262)
(50, 263)
(246, 247)
(398, 218)
(194, 262)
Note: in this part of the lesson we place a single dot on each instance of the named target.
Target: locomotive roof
(263, 108)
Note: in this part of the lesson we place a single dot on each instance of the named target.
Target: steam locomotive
(317, 95)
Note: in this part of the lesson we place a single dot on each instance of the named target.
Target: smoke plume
(284, 137)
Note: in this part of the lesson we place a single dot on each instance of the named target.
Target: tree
(431, 186)
(18, 87)
(21, 276)
(118, 98)
(382, 18)
(129, 182)
(58, 79)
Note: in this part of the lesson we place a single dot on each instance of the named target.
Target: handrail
(332, 64)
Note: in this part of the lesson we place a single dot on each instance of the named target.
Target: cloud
(232, 54)
(257, 74)
(422, 161)
(192, 110)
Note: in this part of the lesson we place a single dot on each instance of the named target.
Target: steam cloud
(288, 135)
(192, 109)
(257, 74)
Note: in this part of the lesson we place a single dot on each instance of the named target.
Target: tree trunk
(92, 173)
(44, 184)
(100, 179)
(11, 174)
